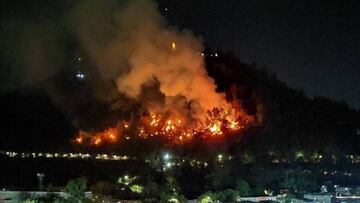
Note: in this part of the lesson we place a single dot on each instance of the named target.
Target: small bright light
(80, 76)
(173, 199)
(206, 199)
(220, 157)
(137, 188)
(173, 46)
(167, 156)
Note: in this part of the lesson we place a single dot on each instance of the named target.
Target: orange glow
(97, 140)
(176, 129)
(215, 129)
(79, 140)
(109, 135)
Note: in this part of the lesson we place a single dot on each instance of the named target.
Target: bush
(207, 197)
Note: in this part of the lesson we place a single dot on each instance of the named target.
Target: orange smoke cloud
(169, 56)
(162, 69)
(142, 47)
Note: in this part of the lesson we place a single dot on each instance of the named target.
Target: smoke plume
(128, 55)
(140, 48)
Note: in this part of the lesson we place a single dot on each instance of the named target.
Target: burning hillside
(161, 69)
(177, 130)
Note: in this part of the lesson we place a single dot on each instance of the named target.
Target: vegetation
(298, 141)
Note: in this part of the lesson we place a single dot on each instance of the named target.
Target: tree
(30, 201)
(170, 192)
(242, 187)
(23, 196)
(172, 198)
(220, 178)
(298, 183)
(228, 195)
(207, 197)
(76, 190)
(151, 192)
(101, 187)
(258, 190)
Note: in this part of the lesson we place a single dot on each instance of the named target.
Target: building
(7, 196)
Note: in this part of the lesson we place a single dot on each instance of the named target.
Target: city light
(137, 188)
(80, 76)
(70, 155)
(167, 157)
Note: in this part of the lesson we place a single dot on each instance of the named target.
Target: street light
(40, 177)
(166, 156)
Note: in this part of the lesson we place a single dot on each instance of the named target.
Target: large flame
(161, 69)
(175, 129)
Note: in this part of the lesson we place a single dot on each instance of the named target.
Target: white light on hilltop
(80, 76)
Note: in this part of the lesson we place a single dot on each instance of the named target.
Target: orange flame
(218, 122)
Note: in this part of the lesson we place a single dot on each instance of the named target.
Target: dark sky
(311, 45)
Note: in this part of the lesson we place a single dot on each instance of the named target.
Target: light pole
(40, 177)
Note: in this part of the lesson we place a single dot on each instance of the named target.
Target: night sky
(311, 45)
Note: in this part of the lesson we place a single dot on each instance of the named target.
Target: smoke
(126, 46)
(135, 47)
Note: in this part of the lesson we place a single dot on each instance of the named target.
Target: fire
(97, 140)
(79, 140)
(165, 78)
(215, 128)
(176, 129)
(154, 120)
(109, 135)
